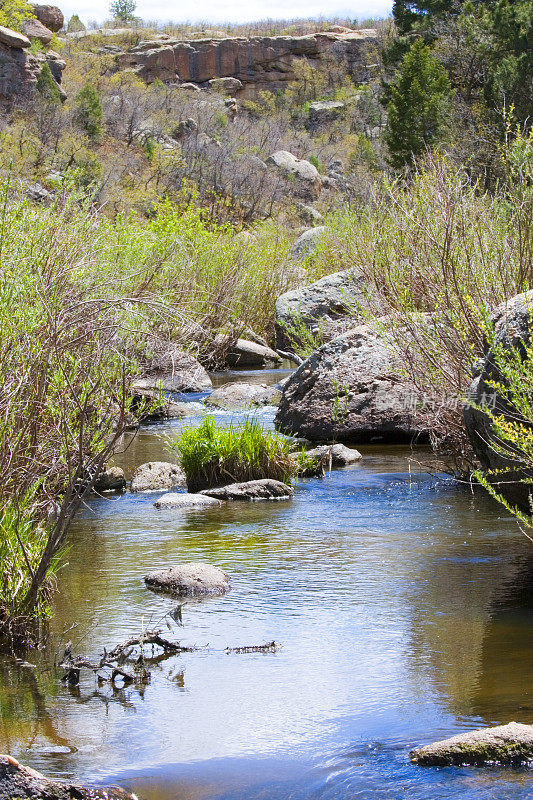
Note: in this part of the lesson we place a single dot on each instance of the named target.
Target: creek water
(402, 602)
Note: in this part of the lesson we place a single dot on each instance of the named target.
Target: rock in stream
(505, 745)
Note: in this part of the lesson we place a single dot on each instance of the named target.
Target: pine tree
(75, 24)
(123, 9)
(47, 87)
(420, 97)
(89, 112)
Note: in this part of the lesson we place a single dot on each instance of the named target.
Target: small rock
(306, 244)
(340, 455)
(263, 489)
(251, 354)
(239, 396)
(157, 475)
(191, 580)
(505, 745)
(187, 127)
(174, 371)
(112, 480)
(186, 500)
(190, 87)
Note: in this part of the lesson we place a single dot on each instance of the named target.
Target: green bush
(47, 87)
(216, 456)
(89, 114)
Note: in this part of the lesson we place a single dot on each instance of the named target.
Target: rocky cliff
(261, 62)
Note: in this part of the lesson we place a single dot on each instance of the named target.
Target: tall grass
(216, 456)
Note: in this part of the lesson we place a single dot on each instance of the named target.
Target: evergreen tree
(420, 97)
(123, 10)
(47, 87)
(75, 24)
(89, 114)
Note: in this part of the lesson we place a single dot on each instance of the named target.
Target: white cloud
(220, 11)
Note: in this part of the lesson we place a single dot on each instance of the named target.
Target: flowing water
(403, 605)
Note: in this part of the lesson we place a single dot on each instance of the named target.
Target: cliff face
(260, 63)
(19, 69)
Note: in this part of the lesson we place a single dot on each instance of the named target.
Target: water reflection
(402, 602)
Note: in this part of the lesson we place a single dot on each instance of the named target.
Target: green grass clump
(216, 456)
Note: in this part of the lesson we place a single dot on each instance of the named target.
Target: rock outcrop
(512, 334)
(17, 781)
(352, 389)
(262, 489)
(34, 29)
(193, 579)
(505, 745)
(259, 62)
(325, 308)
(19, 69)
(240, 396)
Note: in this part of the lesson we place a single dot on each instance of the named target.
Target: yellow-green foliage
(14, 12)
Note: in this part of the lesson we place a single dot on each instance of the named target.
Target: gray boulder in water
(240, 396)
(505, 745)
(353, 389)
(262, 489)
(192, 579)
(174, 371)
(156, 476)
(186, 500)
(17, 781)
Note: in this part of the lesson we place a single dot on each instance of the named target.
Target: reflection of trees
(461, 579)
(23, 712)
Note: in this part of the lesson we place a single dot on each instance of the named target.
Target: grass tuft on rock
(216, 456)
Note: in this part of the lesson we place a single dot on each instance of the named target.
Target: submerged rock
(263, 489)
(191, 579)
(111, 480)
(156, 475)
(17, 781)
(338, 454)
(186, 500)
(506, 745)
(240, 396)
(353, 389)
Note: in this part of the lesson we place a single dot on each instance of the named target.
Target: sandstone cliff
(260, 62)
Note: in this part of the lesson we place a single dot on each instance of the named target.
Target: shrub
(89, 112)
(14, 12)
(47, 87)
(216, 456)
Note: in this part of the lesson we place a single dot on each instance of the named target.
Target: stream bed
(402, 602)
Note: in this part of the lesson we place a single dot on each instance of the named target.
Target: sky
(219, 11)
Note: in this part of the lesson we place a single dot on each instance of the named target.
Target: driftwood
(115, 659)
(268, 647)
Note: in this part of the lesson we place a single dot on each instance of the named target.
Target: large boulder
(306, 244)
(17, 781)
(324, 112)
(13, 39)
(50, 16)
(325, 308)
(34, 29)
(226, 85)
(262, 489)
(186, 500)
(190, 580)
(156, 476)
(512, 326)
(353, 389)
(240, 396)
(505, 745)
(306, 177)
(174, 371)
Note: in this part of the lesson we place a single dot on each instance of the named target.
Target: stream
(402, 602)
